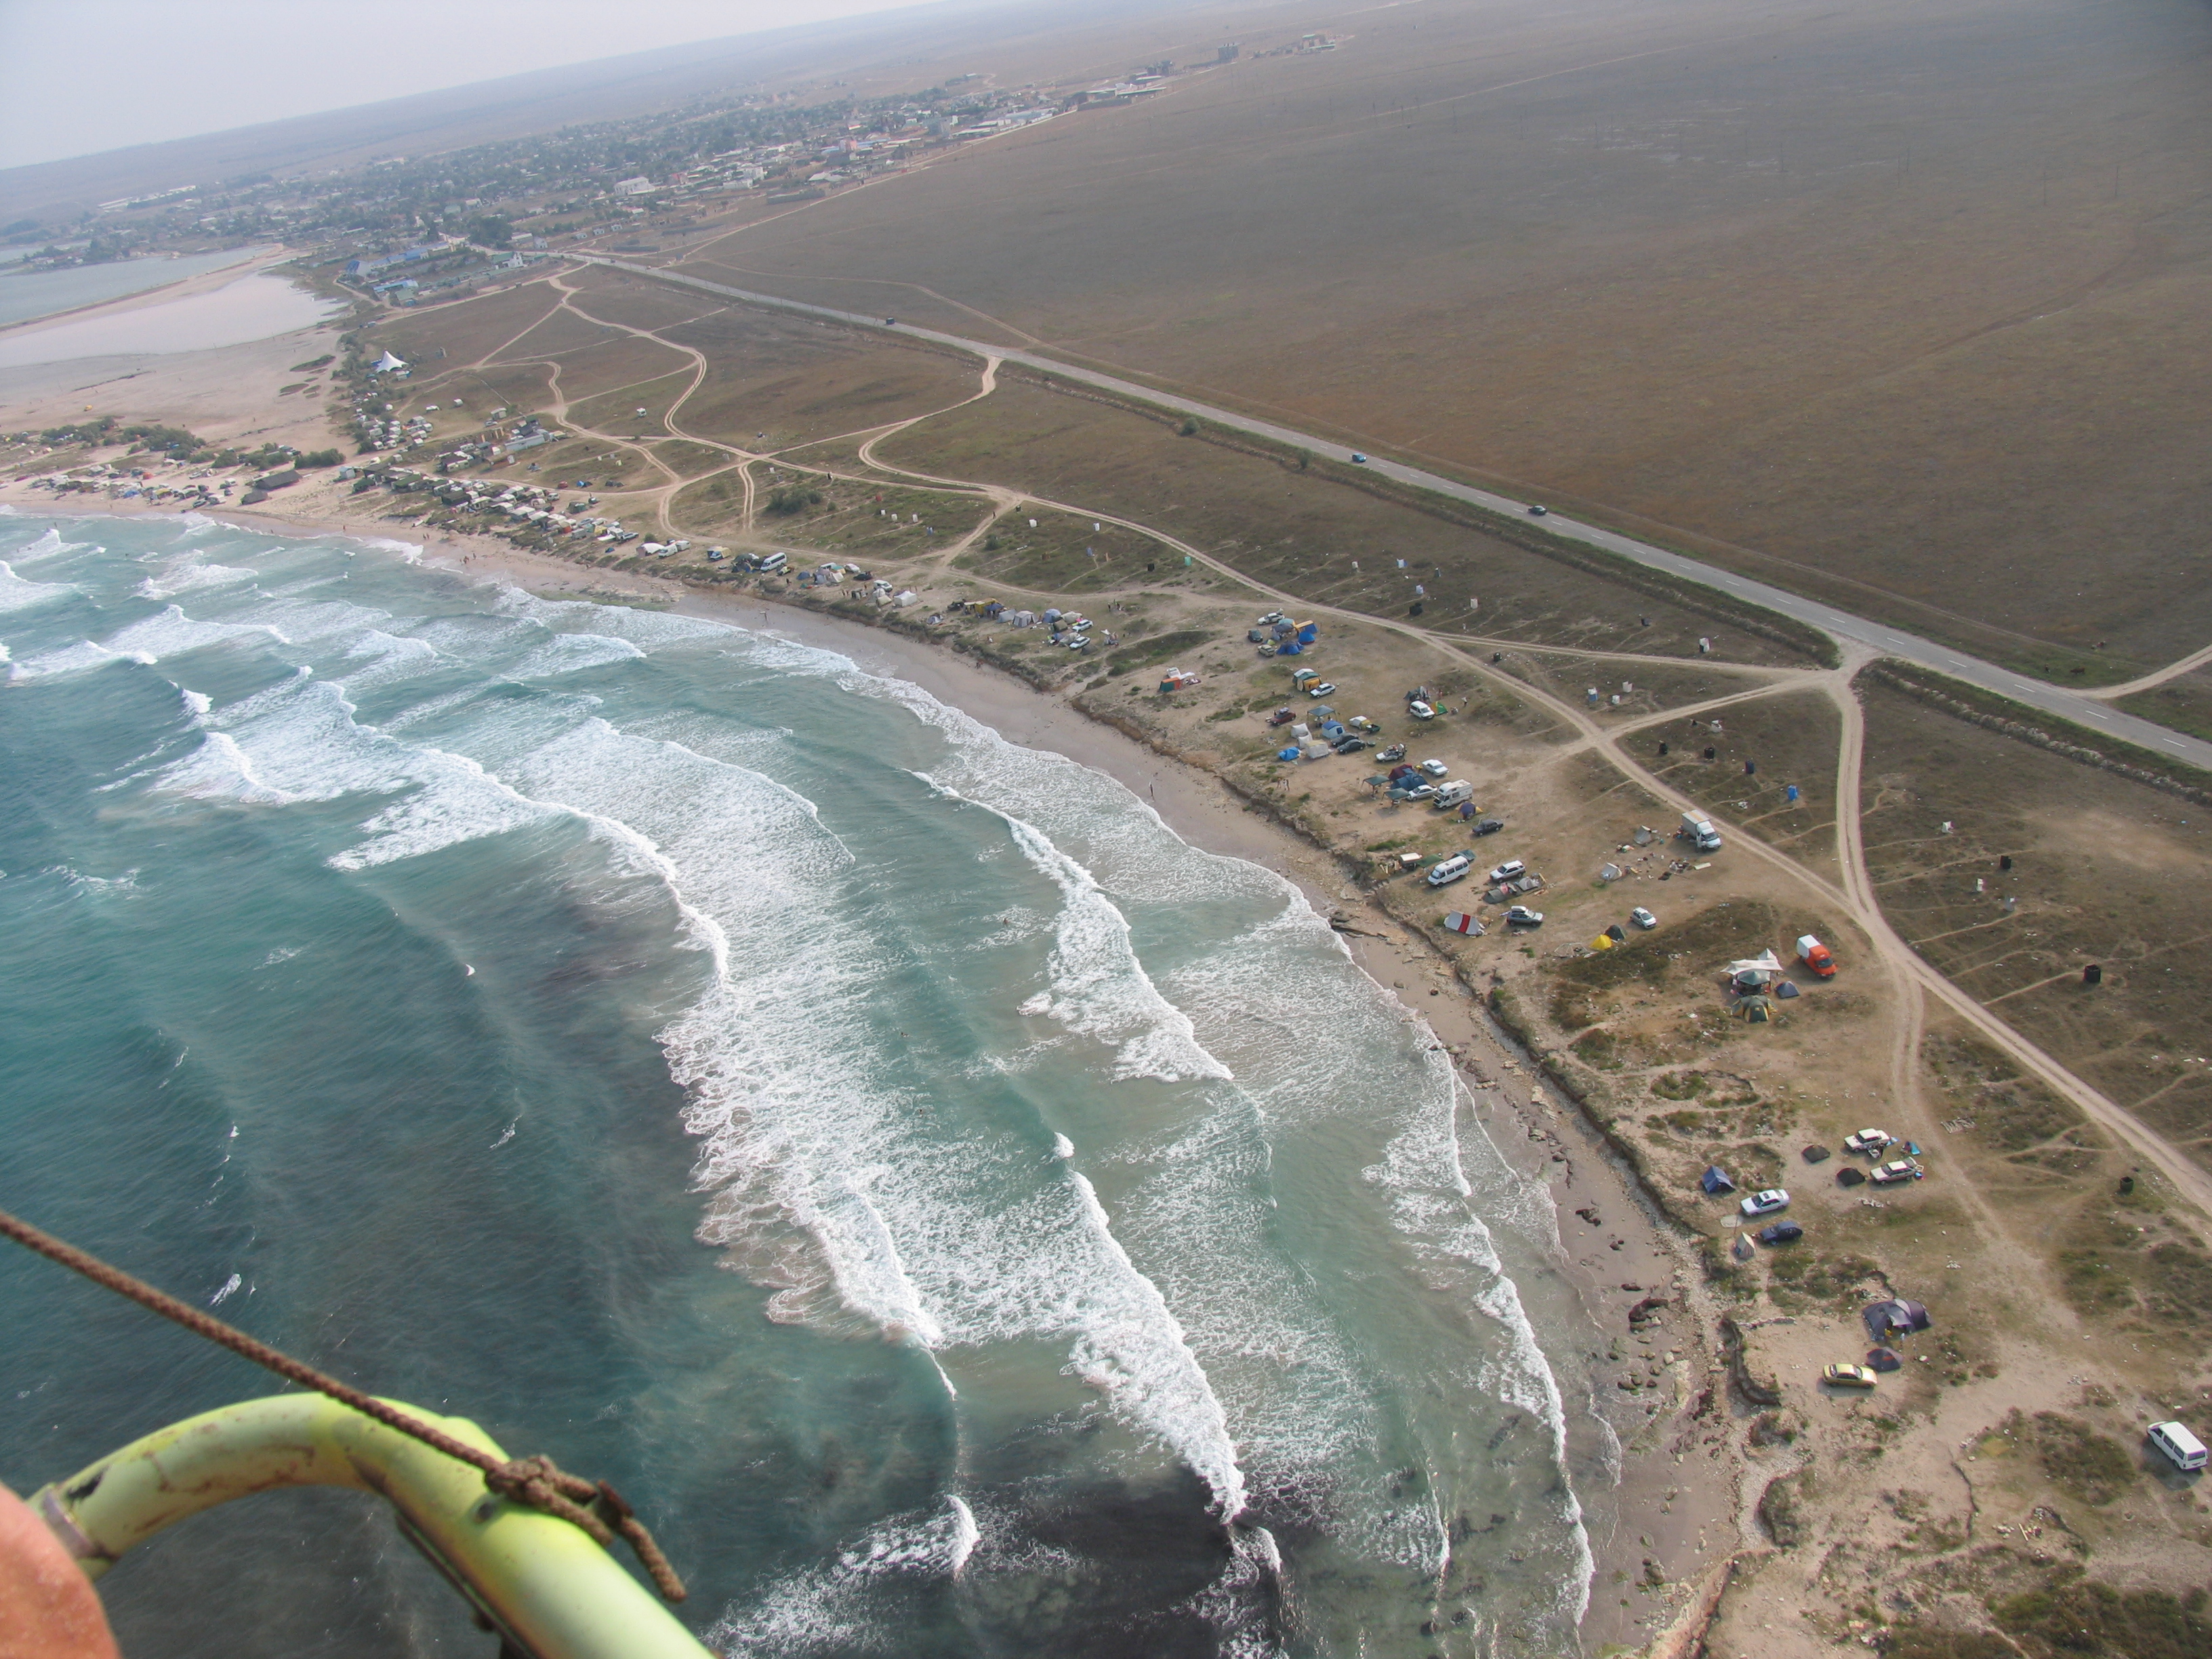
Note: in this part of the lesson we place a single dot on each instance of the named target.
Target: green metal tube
(542, 1583)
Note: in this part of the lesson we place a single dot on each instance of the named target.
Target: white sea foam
(1098, 985)
(152, 638)
(648, 629)
(827, 1184)
(73, 659)
(567, 654)
(186, 574)
(857, 1601)
(18, 594)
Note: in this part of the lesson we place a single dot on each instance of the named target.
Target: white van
(1451, 870)
(2183, 1449)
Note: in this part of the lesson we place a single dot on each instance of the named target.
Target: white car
(1642, 918)
(1867, 1140)
(1320, 689)
(1522, 916)
(1890, 1174)
(1420, 711)
(1435, 768)
(1766, 1203)
(1511, 870)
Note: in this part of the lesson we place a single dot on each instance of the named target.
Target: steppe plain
(1907, 299)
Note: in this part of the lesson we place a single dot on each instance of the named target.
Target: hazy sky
(92, 75)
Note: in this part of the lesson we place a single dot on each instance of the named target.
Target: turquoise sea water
(962, 1216)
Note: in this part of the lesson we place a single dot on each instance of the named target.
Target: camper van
(1451, 870)
(2185, 1450)
(1457, 792)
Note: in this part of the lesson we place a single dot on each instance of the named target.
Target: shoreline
(1655, 1509)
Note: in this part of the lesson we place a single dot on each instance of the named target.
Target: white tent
(388, 363)
(1755, 971)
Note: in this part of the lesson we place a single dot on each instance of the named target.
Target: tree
(492, 232)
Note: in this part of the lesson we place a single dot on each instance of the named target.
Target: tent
(386, 364)
(1885, 1360)
(1759, 1008)
(1716, 1180)
(1897, 1315)
(1752, 973)
(1785, 989)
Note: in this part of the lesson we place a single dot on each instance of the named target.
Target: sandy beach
(1657, 1483)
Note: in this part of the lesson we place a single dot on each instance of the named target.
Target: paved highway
(1841, 624)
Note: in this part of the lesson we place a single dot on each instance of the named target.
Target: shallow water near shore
(27, 294)
(252, 307)
(962, 1217)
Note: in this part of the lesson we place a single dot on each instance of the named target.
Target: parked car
(1489, 826)
(1522, 916)
(1396, 751)
(1282, 716)
(1868, 1141)
(1642, 918)
(1350, 745)
(1420, 711)
(1535, 512)
(1435, 768)
(1782, 1232)
(1849, 1377)
(1320, 689)
(1511, 870)
(1904, 1170)
(1766, 1203)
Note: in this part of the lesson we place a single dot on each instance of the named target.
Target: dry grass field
(1791, 739)
(2104, 870)
(1301, 530)
(1906, 302)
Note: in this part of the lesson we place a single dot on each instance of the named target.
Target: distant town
(408, 230)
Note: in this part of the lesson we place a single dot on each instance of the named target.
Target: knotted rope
(536, 1482)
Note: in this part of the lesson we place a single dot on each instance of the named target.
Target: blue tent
(1308, 634)
(1289, 648)
(1715, 1179)
(1286, 754)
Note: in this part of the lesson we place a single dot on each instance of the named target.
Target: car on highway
(1849, 1377)
(1782, 1232)
(1766, 1203)
(1903, 1169)
(1522, 916)
(1435, 768)
(1643, 918)
(1535, 512)
(1868, 1141)
(1358, 460)
(1511, 870)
